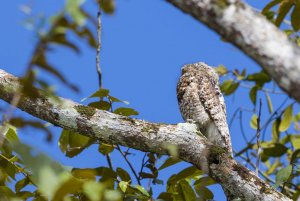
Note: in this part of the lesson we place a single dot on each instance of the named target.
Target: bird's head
(200, 68)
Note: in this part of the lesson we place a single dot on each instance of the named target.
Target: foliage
(279, 154)
(26, 174)
(278, 11)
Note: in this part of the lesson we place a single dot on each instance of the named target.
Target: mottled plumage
(200, 100)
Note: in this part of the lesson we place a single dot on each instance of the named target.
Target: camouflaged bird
(201, 101)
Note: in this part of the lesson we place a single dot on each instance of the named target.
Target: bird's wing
(213, 102)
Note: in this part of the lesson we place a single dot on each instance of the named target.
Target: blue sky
(144, 45)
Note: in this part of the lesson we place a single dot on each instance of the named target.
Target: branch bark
(237, 23)
(192, 146)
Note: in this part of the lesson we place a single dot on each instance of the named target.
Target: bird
(201, 102)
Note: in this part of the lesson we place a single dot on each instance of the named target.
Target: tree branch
(111, 128)
(237, 23)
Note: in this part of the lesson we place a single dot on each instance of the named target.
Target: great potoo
(201, 101)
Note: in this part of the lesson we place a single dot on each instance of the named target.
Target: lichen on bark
(85, 111)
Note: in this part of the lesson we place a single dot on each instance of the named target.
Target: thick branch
(237, 23)
(142, 135)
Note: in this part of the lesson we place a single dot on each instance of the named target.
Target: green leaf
(6, 192)
(186, 191)
(240, 76)
(72, 143)
(62, 40)
(142, 190)
(93, 190)
(283, 10)
(204, 193)
(8, 166)
(28, 82)
(285, 139)
(259, 78)
(172, 149)
(271, 169)
(297, 41)
(253, 94)
(296, 117)
(47, 180)
(46, 173)
(11, 137)
(158, 181)
(288, 32)
(276, 150)
(24, 195)
(87, 33)
(253, 122)
(283, 175)
(264, 157)
(295, 140)
(186, 173)
(145, 175)
(229, 86)
(123, 174)
(11, 134)
(68, 185)
(269, 101)
(114, 99)
(87, 173)
(221, 70)
(21, 184)
(125, 111)
(165, 196)
(295, 16)
(101, 93)
(270, 5)
(123, 186)
(169, 162)
(295, 156)
(275, 130)
(286, 118)
(108, 6)
(73, 8)
(105, 149)
(270, 15)
(62, 25)
(204, 181)
(112, 195)
(104, 172)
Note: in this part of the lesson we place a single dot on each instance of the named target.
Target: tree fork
(250, 31)
(142, 135)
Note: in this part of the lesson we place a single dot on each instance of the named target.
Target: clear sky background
(144, 45)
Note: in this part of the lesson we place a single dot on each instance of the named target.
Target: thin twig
(271, 91)
(243, 132)
(129, 164)
(233, 116)
(143, 164)
(242, 127)
(108, 159)
(98, 67)
(258, 138)
(274, 114)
